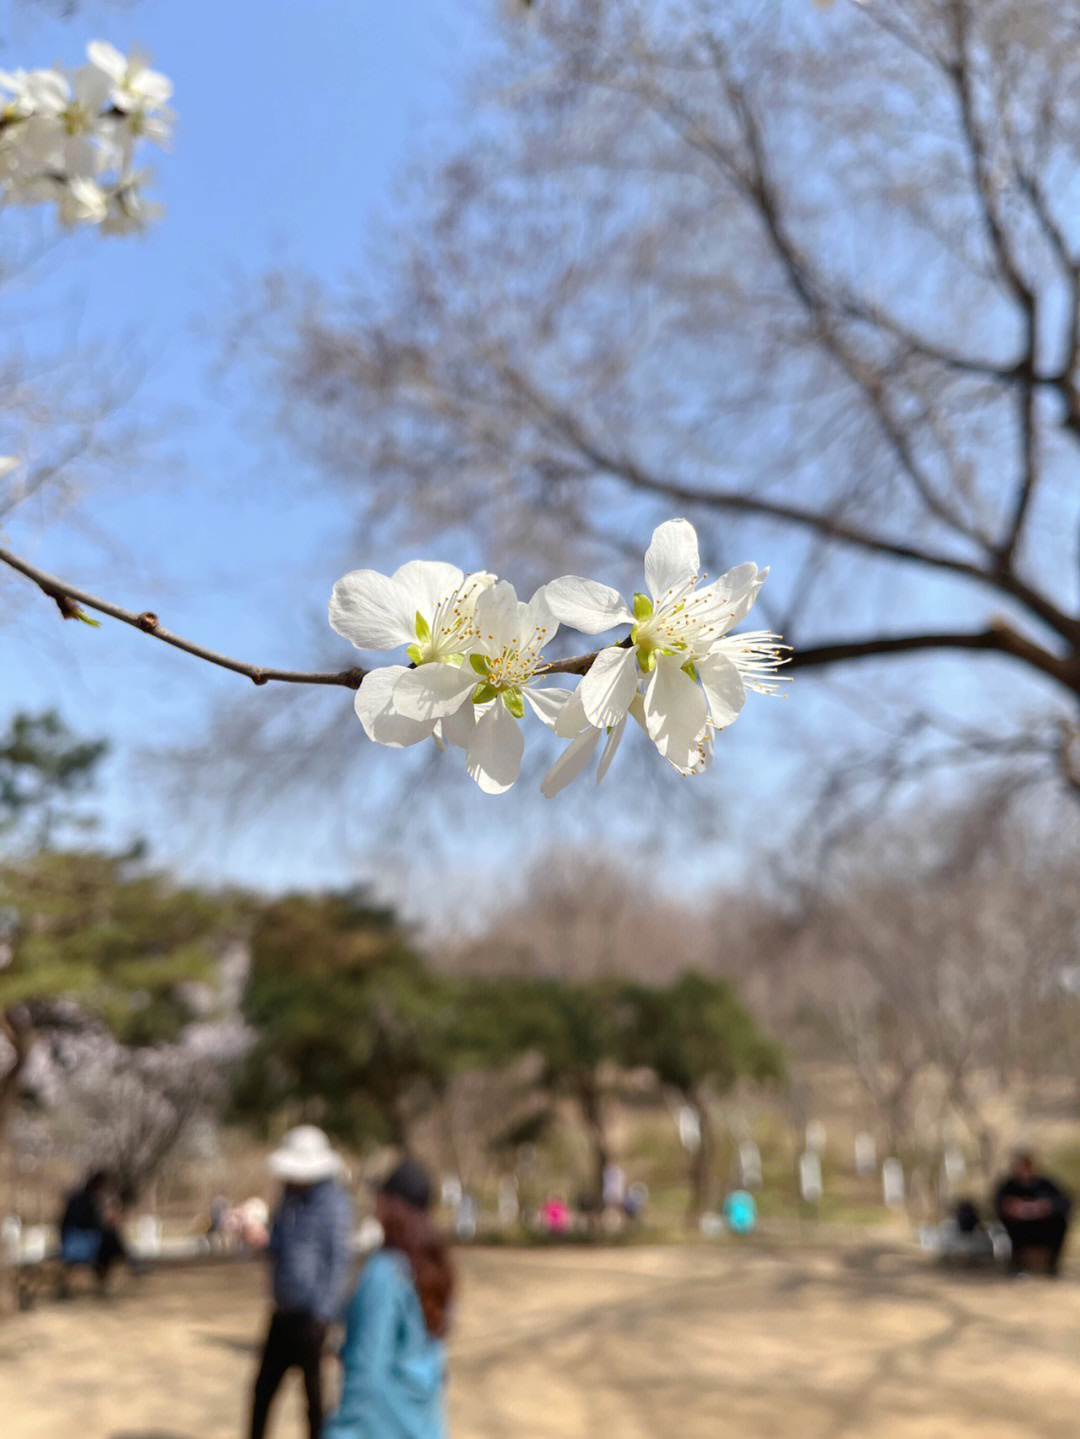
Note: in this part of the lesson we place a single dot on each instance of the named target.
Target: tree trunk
(700, 1164)
(592, 1108)
(17, 1029)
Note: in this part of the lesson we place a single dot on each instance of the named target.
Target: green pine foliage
(44, 771)
(694, 1032)
(95, 927)
(124, 943)
(353, 1031)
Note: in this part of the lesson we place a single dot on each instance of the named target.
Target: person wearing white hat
(310, 1253)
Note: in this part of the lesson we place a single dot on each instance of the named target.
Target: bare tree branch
(68, 599)
(1000, 637)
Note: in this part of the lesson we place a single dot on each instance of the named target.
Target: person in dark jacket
(393, 1357)
(310, 1253)
(1035, 1214)
(89, 1228)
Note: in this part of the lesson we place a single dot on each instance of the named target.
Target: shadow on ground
(148, 1434)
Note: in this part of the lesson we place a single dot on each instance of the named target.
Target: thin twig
(68, 600)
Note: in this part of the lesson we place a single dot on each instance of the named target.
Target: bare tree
(936, 954)
(583, 914)
(810, 276)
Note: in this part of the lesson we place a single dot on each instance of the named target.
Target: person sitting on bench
(1035, 1214)
(89, 1232)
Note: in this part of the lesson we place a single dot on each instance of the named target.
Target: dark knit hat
(409, 1181)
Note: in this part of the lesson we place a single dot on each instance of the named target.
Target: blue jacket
(310, 1249)
(393, 1369)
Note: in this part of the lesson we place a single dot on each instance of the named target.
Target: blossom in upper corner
(690, 681)
(65, 135)
(69, 138)
(138, 97)
(133, 86)
(429, 608)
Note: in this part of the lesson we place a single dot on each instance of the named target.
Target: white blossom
(476, 661)
(675, 657)
(429, 609)
(133, 86)
(571, 724)
(69, 138)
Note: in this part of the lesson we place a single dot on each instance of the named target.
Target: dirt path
(570, 1344)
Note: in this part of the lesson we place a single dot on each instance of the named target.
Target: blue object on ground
(740, 1211)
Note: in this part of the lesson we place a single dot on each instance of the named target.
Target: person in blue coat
(393, 1357)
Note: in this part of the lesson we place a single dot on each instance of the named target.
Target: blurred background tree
(351, 1030)
(699, 1041)
(95, 938)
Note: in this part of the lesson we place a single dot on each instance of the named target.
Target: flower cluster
(69, 138)
(476, 664)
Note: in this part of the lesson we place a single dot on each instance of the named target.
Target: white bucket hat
(304, 1157)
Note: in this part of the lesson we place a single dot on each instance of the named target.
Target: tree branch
(994, 574)
(959, 72)
(68, 600)
(998, 636)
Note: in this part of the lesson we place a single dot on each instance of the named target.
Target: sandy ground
(675, 1343)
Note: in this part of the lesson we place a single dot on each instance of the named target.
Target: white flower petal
(108, 59)
(547, 704)
(427, 581)
(457, 728)
(538, 624)
(609, 686)
(740, 587)
(379, 715)
(699, 759)
(672, 556)
(431, 691)
(724, 690)
(373, 611)
(587, 606)
(676, 714)
(493, 758)
(571, 720)
(570, 763)
(614, 739)
(498, 618)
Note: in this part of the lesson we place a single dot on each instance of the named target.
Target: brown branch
(1065, 379)
(1031, 470)
(578, 664)
(999, 637)
(819, 299)
(69, 601)
(822, 299)
(995, 575)
(829, 526)
(959, 73)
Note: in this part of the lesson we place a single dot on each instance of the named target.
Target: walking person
(394, 1356)
(310, 1251)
